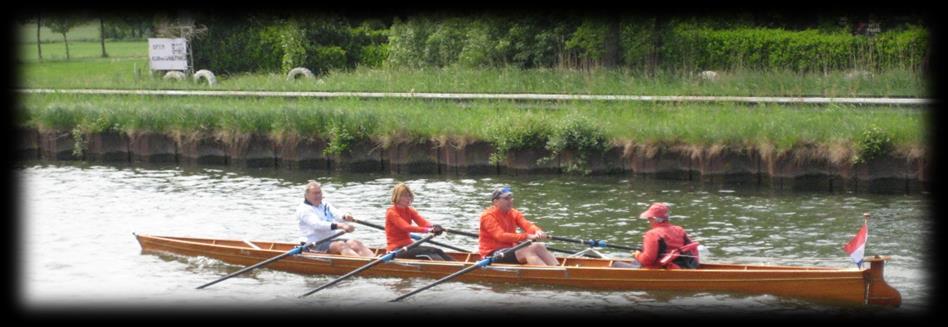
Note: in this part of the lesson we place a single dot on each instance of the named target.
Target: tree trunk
(67, 45)
(39, 48)
(102, 36)
(611, 58)
(657, 43)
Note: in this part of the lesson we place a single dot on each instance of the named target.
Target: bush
(264, 43)
(873, 143)
(347, 127)
(515, 133)
(696, 48)
(589, 40)
(579, 135)
(324, 59)
(374, 55)
(292, 46)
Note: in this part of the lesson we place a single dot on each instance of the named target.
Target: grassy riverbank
(852, 132)
(127, 68)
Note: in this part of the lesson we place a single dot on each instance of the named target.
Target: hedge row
(327, 42)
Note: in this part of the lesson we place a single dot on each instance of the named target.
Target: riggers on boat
(843, 285)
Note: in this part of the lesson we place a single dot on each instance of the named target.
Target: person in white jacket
(319, 220)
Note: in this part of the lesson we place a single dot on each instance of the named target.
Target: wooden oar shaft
(453, 231)
(447, 246)
(548, 248)
(413, 237)
(595, 243)
(387, 257)
(368, 224)
(295, 250)
(479, 264)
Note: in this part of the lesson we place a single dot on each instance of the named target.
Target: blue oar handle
(595, 243)
(298, 249)
(485, 262)
(391, 255)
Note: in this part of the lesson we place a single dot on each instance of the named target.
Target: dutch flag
(856, 247)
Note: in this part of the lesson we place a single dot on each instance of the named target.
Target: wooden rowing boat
(850, 285)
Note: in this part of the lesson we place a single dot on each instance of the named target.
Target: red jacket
(499, 229)
(398, 226)
(672, 235)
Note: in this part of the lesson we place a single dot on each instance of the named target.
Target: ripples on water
(77, 221)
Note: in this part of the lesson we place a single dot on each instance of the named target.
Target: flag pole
(865, 221)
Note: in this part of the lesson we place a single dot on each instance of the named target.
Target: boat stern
(877, 290)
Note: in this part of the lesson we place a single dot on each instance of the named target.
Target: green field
(88, 31)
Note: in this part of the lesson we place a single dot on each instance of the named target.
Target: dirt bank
(808, 167)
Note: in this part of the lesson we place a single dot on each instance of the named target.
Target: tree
(39, 48)
(62, 25)
(30, 19)
(611, 56)
(102, 36)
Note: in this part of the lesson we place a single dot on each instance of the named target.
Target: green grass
(127, 68)
(782, 127)
(83, 52)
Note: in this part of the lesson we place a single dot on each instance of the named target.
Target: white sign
(168, 54)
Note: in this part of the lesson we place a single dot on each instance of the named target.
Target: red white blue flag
(856, 247)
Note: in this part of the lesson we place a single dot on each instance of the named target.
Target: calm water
(77, 222)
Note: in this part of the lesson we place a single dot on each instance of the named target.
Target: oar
(368, 224)
(483, 263)
(385, 258)
(602, 244)
(295, 250)
(548, 248)
(595, 243)
(415, 237)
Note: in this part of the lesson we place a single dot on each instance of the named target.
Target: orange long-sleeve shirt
(499, 229)
(398, 226)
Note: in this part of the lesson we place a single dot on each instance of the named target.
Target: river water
(77, 250)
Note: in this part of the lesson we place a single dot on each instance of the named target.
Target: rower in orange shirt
(499, 231)
(398, 219)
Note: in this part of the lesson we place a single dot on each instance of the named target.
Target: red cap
(657, 210)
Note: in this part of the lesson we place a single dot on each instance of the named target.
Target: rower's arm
(312, 220)
(649, 250)
(493, 228)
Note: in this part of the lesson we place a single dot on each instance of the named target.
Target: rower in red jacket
(665, 245)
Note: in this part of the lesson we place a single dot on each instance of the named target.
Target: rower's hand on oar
(346, 227)
(347, 217)
(540, 235)
(436, 229)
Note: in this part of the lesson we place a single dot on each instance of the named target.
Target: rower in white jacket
(318, 220)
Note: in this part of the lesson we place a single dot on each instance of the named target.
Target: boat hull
(857, 286)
